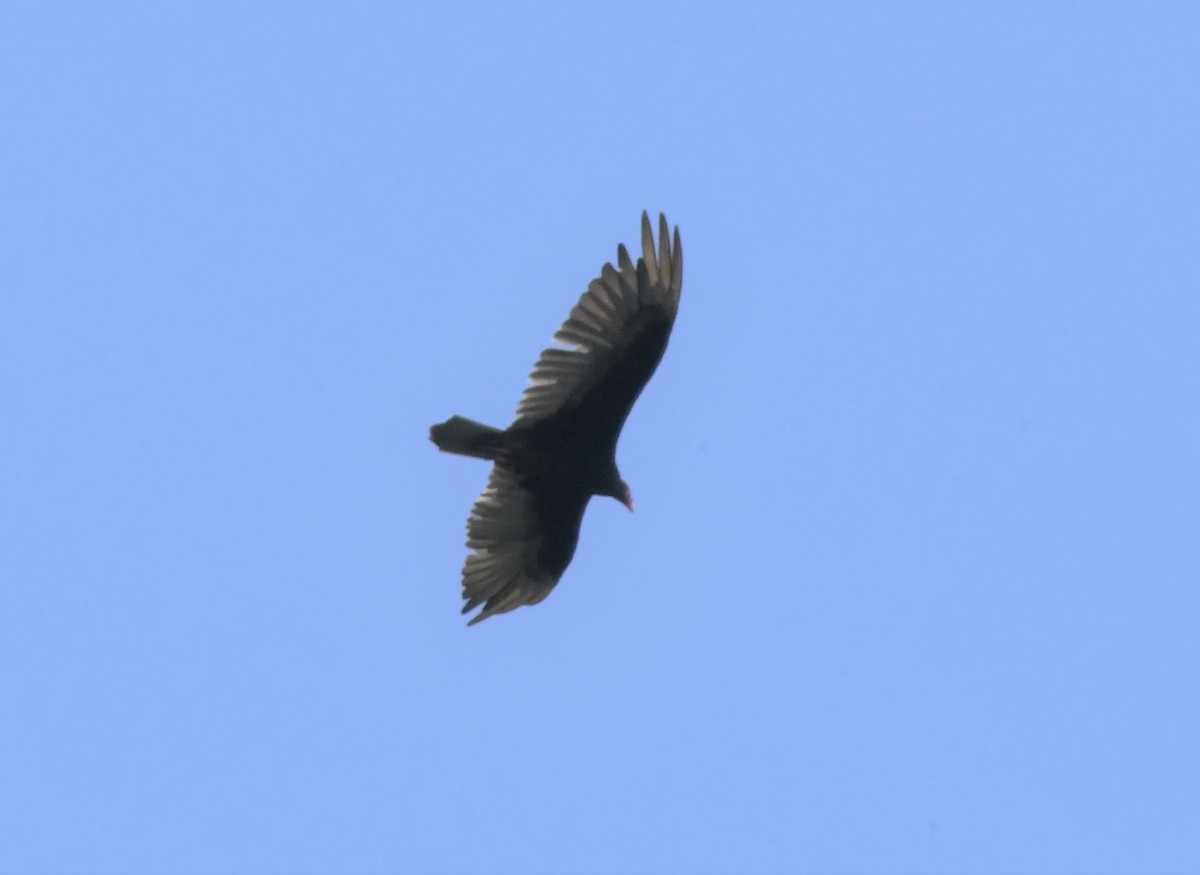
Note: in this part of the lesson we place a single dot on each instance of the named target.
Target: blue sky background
(914, 579)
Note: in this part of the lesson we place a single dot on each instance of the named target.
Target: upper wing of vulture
(615, 337)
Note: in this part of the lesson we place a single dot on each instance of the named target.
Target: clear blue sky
(914, 579)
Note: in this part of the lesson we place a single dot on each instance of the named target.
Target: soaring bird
(560, 450)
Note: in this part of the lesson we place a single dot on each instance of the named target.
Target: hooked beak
(627, 499)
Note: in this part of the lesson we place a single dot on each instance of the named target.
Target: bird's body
(561, 448)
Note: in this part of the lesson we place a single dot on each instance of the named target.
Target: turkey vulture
(561, 448)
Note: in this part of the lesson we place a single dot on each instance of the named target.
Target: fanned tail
(466, 437)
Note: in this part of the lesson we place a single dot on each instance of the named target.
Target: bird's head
(622, 493)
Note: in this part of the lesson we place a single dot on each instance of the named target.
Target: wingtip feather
(664, 247)
(677, 265)
(648, 248)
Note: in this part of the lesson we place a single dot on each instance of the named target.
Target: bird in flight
(560, 450)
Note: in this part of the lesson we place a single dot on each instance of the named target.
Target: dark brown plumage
(561, 448)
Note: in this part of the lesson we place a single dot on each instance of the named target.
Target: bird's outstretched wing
(614, 338)
(522, 542)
